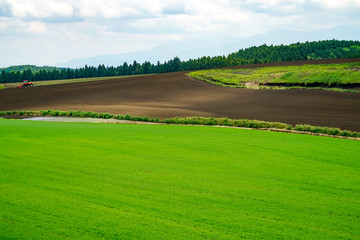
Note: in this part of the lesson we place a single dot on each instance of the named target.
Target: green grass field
(331, 75)
(120, 181)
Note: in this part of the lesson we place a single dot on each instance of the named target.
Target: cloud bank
(57, 30)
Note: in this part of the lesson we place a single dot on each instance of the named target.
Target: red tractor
(25, 83)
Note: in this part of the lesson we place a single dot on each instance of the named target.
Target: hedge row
(80, 114)
(227, 122)
(192, 120)
(262, 125)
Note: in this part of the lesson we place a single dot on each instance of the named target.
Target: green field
(328, 75)
(121, 181)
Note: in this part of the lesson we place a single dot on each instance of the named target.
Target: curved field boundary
(336, 77)
(76, 116)
(286, 63)
(175, 94)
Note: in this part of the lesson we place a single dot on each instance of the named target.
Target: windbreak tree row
(252, 55)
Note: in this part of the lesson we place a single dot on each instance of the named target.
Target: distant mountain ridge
(216, 46)
(325, 49)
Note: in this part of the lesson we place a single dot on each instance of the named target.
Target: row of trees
(301, 51)
(260, 54)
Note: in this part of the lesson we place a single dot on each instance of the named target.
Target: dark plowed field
(174, 94)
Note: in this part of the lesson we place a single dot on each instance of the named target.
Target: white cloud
(336, 4)
(195, 16)
(3, 25)
(82, 28)
(15, 27)
(273, 3)
(142, 9)
(37, 27)
(39, 8)
(105, 9)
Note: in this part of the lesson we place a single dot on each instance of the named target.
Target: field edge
(216, 78)
(199, 121)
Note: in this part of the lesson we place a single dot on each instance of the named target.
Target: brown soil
(175, 94)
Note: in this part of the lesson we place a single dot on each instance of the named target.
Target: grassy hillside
(93, 181)
(329, 75)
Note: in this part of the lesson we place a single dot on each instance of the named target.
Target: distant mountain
(33, 68)
(278, 37)
(194, 48)
(258, 54)
(216, 45)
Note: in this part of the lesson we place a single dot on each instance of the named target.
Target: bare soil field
(175, 94)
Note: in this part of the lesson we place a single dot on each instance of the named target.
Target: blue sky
(45, 32)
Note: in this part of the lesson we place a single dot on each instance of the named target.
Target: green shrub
(106, 115)
(87, 114)
(316, 129)
(119, 117)
(332, 131)
(345, 133)
(279, 125)
(70, 114)
(356, 134)
(154, 120)
(302, 127)
(45, 112)
(94, 115)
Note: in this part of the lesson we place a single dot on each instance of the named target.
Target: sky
(46, 32)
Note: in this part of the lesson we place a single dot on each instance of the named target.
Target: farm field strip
(291, 63)
(175, 94)
(327, 75)
(82, 180)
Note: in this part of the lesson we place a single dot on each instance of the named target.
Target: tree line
(252, 55)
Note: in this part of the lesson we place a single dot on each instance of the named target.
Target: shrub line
(206, 121)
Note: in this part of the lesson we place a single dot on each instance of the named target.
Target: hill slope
(260, 54)
(344, 76)
(175, 94)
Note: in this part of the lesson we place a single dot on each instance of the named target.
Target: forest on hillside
(33, 68)
(259, 54)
